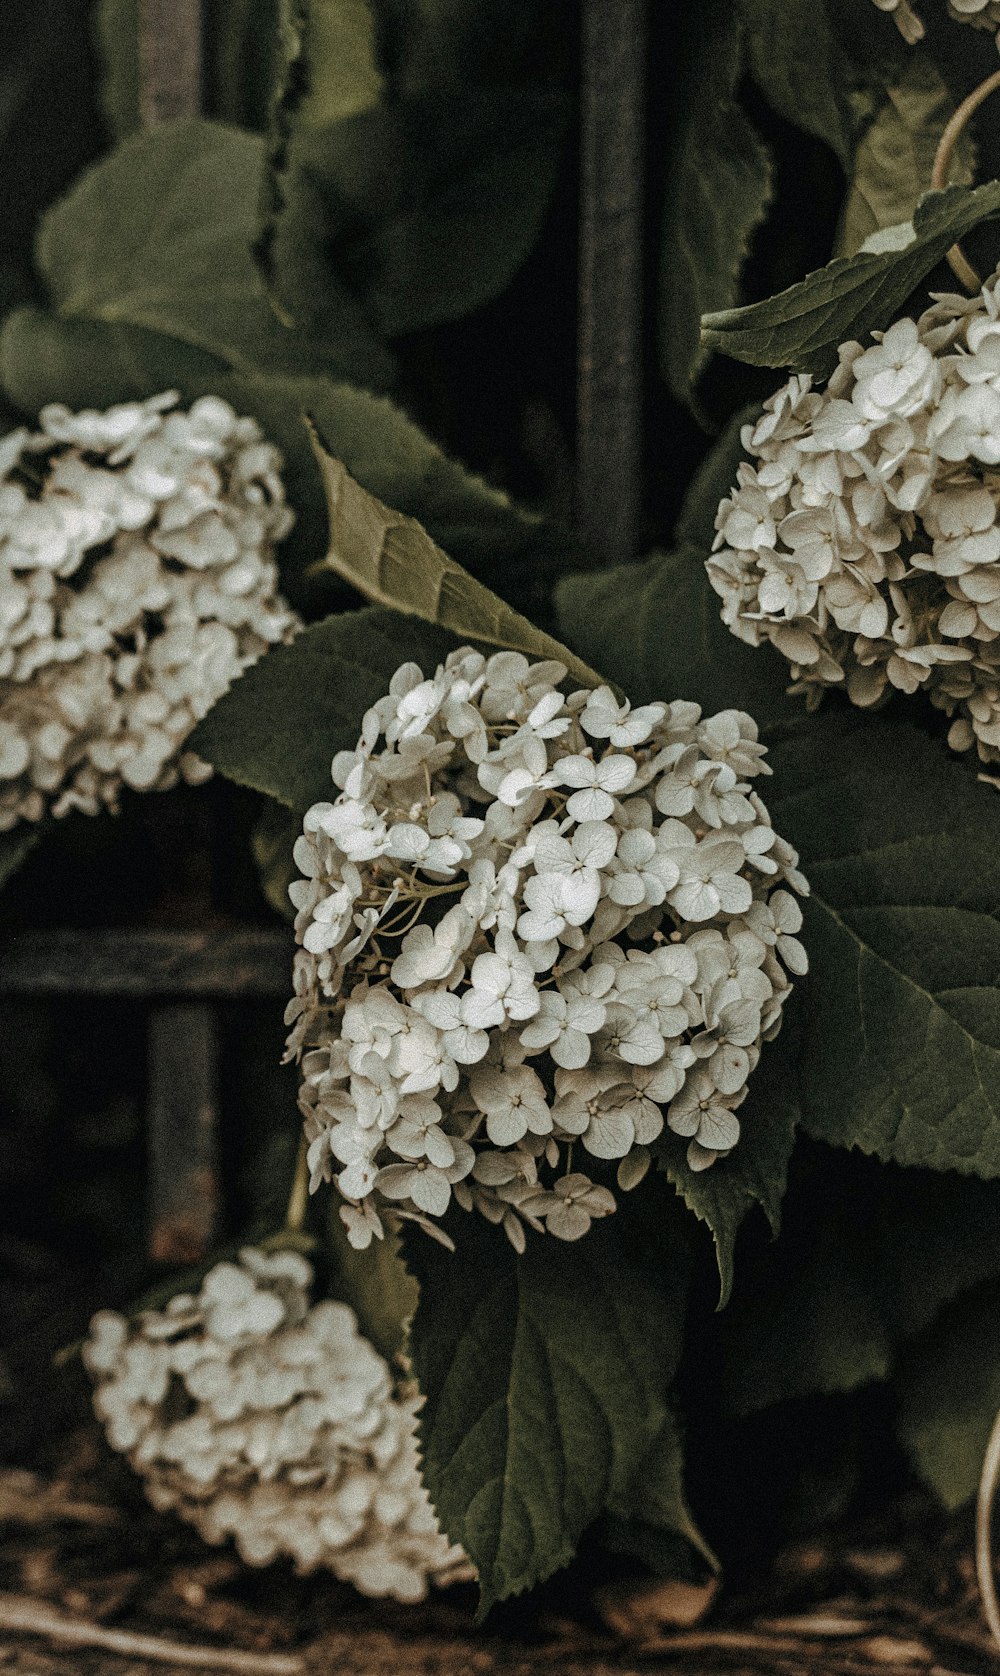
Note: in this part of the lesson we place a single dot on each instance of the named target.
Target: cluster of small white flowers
(466, 1009)
(982, 14)
(136, 581)
(255, 1416)
(864, 542)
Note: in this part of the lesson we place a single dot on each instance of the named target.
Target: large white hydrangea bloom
(255, 1416)
(982, 14)
(137, 580)
(532, 925)
(864, 540)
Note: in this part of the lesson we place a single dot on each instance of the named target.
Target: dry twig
(25, 1616)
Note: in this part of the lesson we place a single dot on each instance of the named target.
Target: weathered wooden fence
(183, 975)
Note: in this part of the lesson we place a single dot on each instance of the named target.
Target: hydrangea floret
(982, 14)
(863, 540)
(137, 579)
(533, 928)
(258, 1416)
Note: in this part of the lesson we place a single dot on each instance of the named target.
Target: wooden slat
(141, 963)
(170, 60)
(182, 1131)
(609, 348)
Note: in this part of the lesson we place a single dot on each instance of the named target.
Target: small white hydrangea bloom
(863, 541)
(534, 928)
(257, 1417)
(982, 14)
(137, 579)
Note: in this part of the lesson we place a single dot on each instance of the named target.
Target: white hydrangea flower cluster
(136, 581)
(864, 541)
(255, 1416)
(982, 14)
(531, 924)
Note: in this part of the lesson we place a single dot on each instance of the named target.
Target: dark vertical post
(182, 1123)
(183, 1050)
(609, 372)
(170, 53)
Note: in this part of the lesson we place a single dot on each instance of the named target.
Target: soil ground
(895, 1592)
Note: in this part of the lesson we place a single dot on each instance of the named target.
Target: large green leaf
(279, 725)
(756, 1171)
(651, 1520)
(504, 546)
(390, 558)
(43, 358)
(894, 159)
(93, 363)
(655, 628)
(853, 295)
(328, 69)
(798, 62)
(900, 1021)
(949, 1388)
(869, 1256)
(424, 208)
(717, 192)
(421, 193)
(376, 1283)
(158, 237)
(547, 1380)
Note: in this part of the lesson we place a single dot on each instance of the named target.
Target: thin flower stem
(959, 264)
(298, 1199)
(984, 1526)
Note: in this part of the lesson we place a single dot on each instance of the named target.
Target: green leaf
(655, 628)
(718, 188)
(15, 848)
(895, 157)
(798, 62)
(869, 1256)
(279, 726)
(652, 1521)
(392, 457)
(901, 1010)
(422, 193)
(376, 1283)
(425, 208)
(949, 1387)
(810, 1324)
(94, 363)
(392, 561)
(853, 295)
(44, 359)
(329, 69)
(547, 1381)
(157, 237)
(756, 1171)
(272, 842)
(339, 41)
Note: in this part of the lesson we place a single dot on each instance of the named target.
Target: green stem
(298, 1199)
